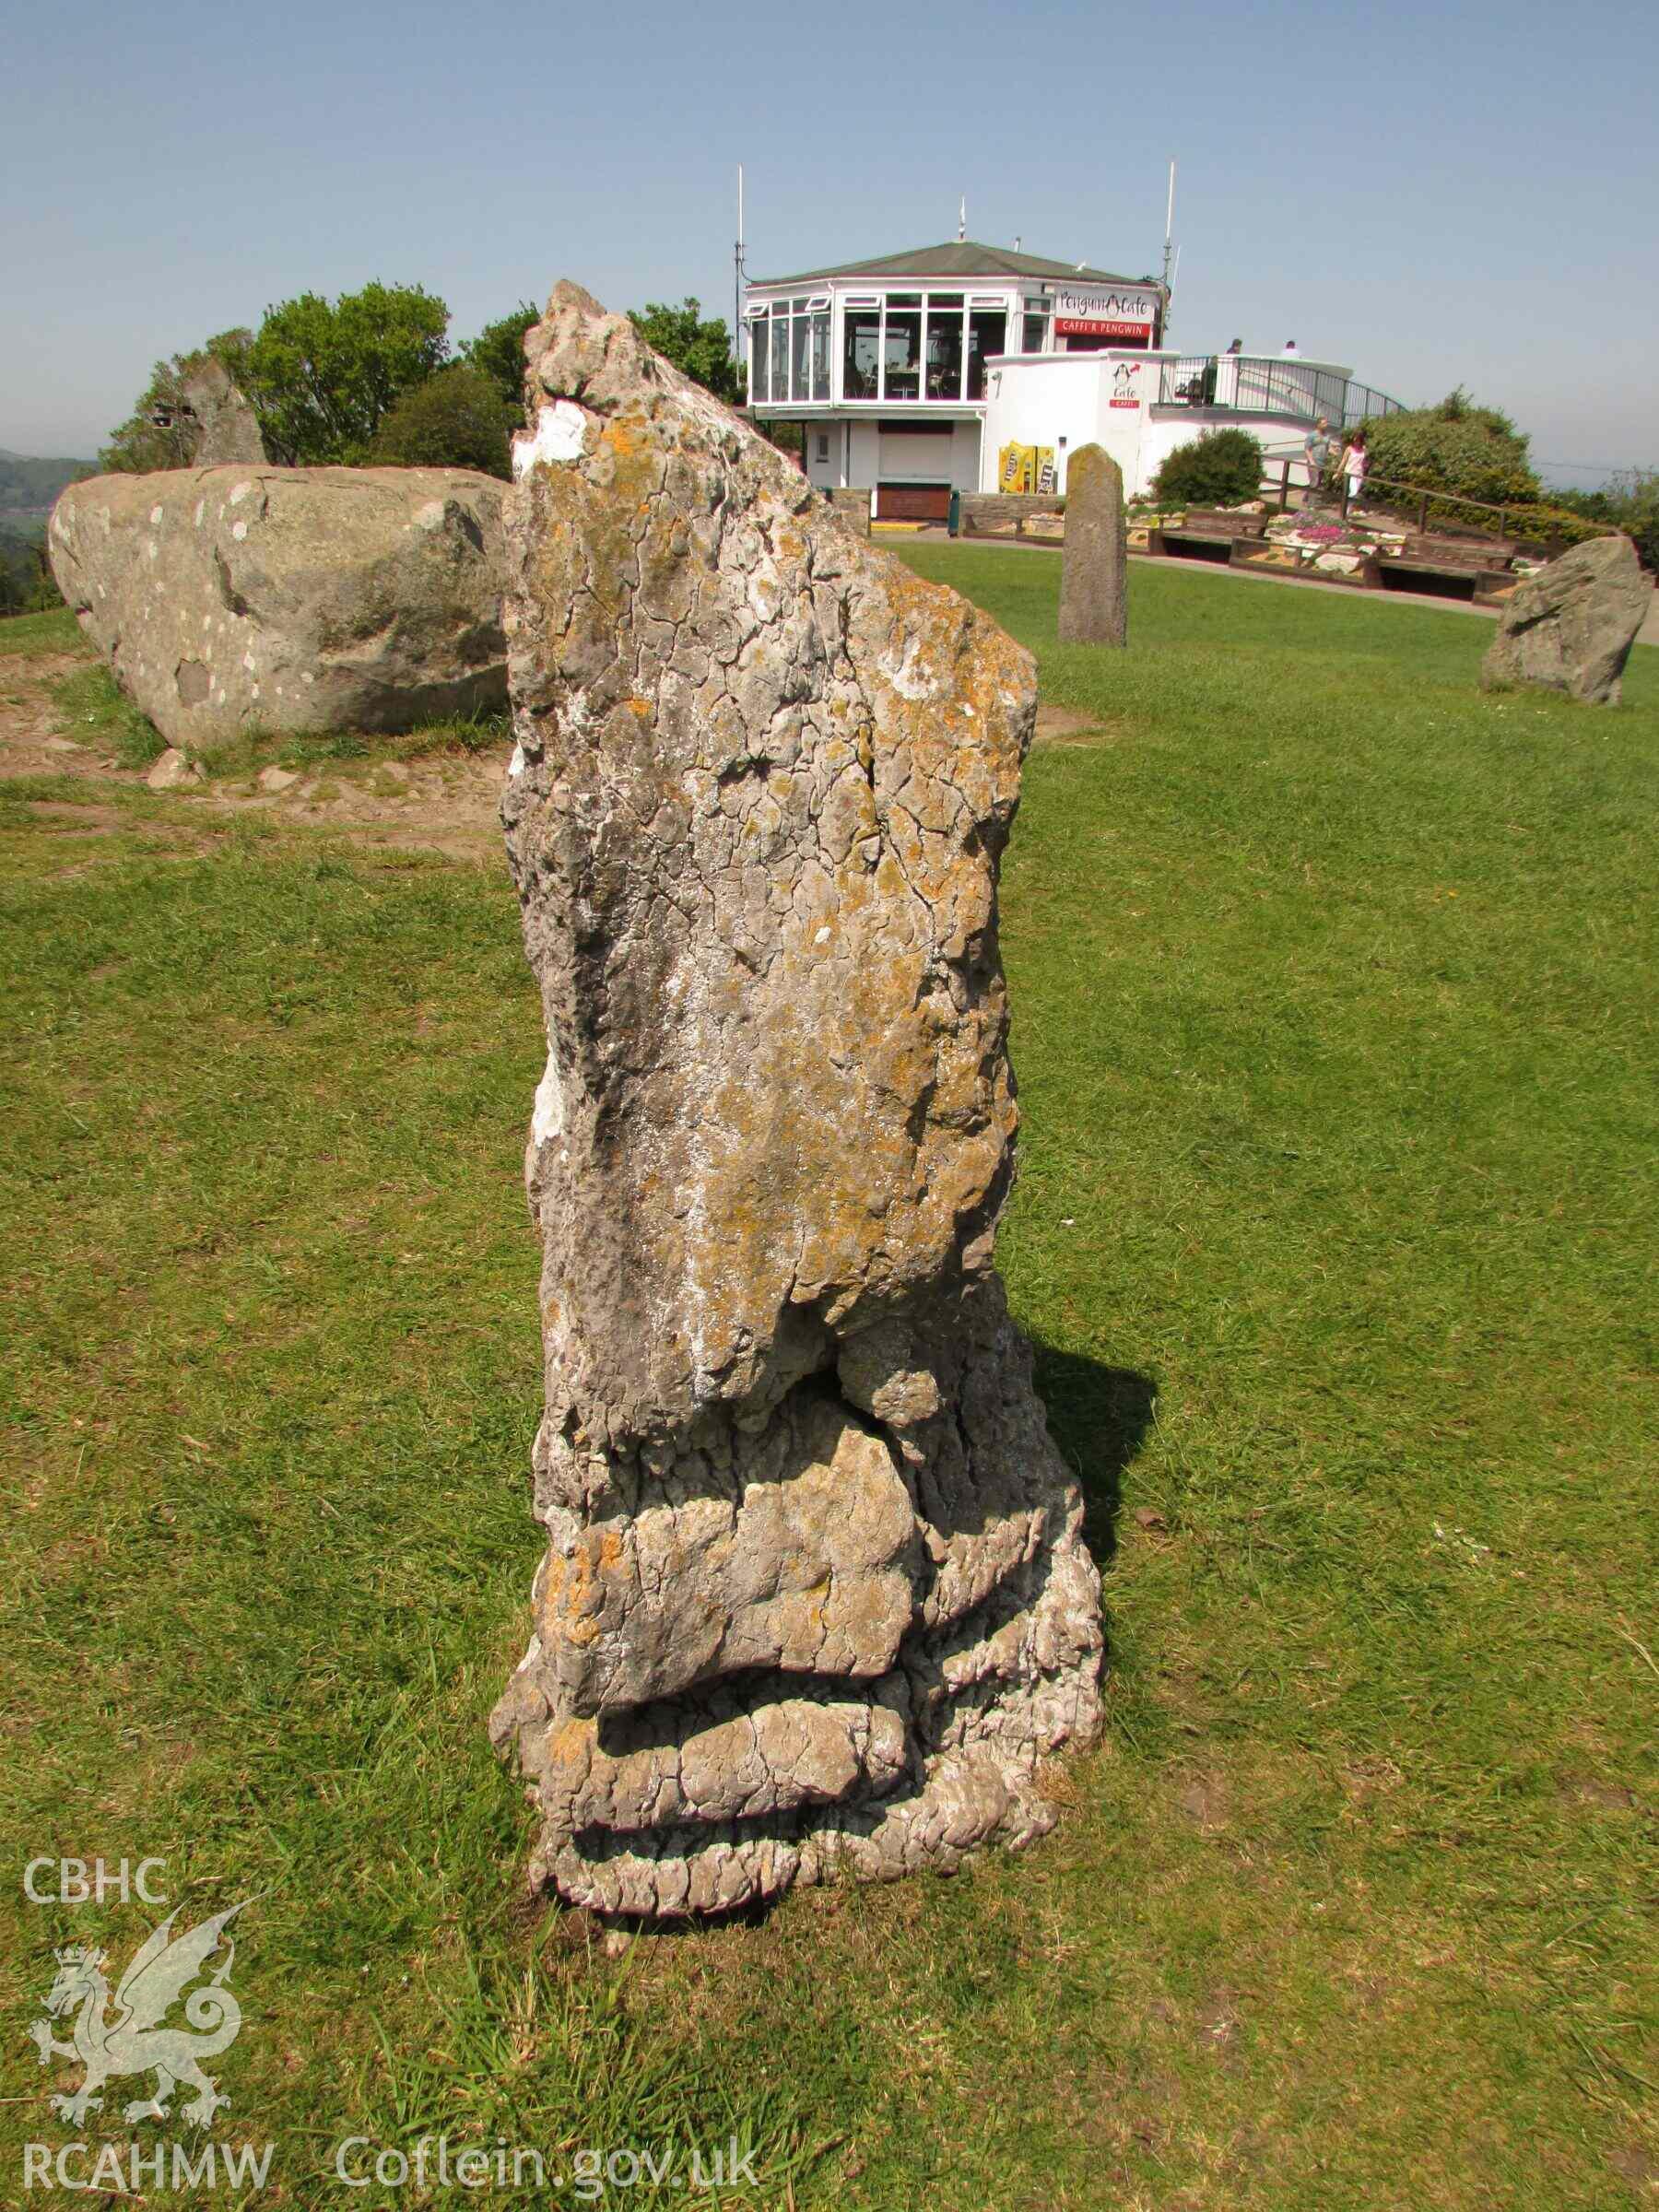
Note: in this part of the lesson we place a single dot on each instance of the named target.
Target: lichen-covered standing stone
(815, 1597)
(1094, 566)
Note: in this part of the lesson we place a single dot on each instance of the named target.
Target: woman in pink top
(1355, 460)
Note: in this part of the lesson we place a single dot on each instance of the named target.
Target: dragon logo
(131, 2039)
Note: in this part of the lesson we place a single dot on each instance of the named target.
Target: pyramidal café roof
(959, 257)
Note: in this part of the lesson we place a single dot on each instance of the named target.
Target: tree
(321, 376)
(499, 352)
(701, 350)
(160, 432)
(455, 419)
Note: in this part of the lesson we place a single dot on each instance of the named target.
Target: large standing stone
(290, 599)
(814, 1595)
(1094, 566)
(226, 425)
(1570, 627)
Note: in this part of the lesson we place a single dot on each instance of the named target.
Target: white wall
(1068, 400)
(1063, 400)
(826, 473)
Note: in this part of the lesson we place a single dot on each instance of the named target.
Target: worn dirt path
(438, 802)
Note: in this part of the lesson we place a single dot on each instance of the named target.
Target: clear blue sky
(1436, 191)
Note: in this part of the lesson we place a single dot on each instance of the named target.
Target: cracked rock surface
(815, 1599)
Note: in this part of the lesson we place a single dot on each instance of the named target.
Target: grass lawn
(1334, 996)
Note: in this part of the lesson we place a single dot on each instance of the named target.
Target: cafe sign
(1101, 311)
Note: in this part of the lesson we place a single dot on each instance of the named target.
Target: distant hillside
(29, 486)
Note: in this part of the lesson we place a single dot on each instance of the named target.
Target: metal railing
(1250, 383)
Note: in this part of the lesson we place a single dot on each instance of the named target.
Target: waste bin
(954, 521)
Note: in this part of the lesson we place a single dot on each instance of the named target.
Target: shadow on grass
(1098, 1417)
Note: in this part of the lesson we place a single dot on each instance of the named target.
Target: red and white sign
(1125, 385)
(1080, 326)
(1099, 311)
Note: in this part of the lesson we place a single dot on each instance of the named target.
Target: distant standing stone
(1570, 627)
(1093, 573)
(228, 427)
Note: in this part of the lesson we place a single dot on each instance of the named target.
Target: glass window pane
(903, 299)
(942, 300)
(861, 353)
(800, 338)
(902, 360)
(986, 333)
(758, 387)
(944, 348)
(1035, 332)
(820, 356)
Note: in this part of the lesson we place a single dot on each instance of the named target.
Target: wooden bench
(1482, 563)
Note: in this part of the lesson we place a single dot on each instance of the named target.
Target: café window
(790, 350)
(1033, 334)
(944, 345)
(759, 359)
(918, 345)
(901, 346)
(987, 333)
(861, 350)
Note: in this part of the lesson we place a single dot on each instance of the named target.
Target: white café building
(913, 375)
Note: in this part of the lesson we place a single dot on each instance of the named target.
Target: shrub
(455, 419)
(1554, 526)
(1218, 470)
(1475, 453)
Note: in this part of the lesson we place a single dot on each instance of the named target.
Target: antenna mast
(962, 221)
(737, 278)
(1169, 264)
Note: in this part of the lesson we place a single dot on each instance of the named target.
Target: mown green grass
(1334, 1023)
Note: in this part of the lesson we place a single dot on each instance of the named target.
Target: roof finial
(962, 221)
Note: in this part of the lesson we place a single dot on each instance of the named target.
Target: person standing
(1355, 462)
(1316, 452)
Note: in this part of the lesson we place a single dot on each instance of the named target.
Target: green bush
(457, 419)
(1554, 526)
(1475, 453)
(1218, 470)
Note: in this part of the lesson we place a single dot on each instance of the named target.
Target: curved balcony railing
(1254, 383)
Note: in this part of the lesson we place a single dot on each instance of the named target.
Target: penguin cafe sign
(1102, 311)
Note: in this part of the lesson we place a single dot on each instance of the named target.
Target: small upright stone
(1093, 568)
(1571, 627)
(226, 427)
(814, 1598)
